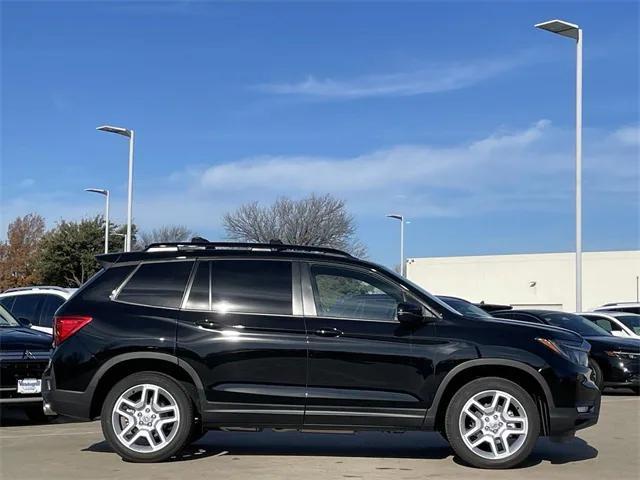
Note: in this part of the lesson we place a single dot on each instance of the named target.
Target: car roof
(619, 304)
(63, 292)
(610, 313)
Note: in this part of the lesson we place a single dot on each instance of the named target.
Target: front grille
(11, 371)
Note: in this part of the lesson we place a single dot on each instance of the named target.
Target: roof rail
(273, 247)
(43, 287)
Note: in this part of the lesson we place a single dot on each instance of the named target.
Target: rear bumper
(65, 402)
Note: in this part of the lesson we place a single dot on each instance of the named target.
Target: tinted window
(464, 307)
(199, 295)
(574, 322)
(631, 321)
(523, 317)
(251, 286)
(345, 293)
(49, 307)
(159, 284)
(6, 320)
(7, 302)
(26, 306)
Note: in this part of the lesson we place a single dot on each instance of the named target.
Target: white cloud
(529, 169)
(436, 78)
(629, 135)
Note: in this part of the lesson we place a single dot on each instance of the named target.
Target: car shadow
(619, 392)
(414, 445)
(15, 417)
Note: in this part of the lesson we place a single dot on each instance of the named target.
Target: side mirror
(410, 313)
(24, 322)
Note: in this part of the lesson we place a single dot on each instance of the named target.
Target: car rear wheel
(147, 417)
(492, 423)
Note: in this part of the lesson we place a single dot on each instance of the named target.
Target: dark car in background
(24, 354)
(165, 343)
(614, 361)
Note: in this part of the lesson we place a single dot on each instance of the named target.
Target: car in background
(619, 324)
(35, 306)
(614, 361)
(628, 307)
(465, 307)
(24, 355)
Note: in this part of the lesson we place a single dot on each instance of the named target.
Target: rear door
(242, 330)
(363, 371)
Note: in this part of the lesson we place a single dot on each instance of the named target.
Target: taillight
(66, 325)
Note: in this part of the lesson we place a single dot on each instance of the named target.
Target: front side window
(631, 321)
(346, 293)
(158, 284)
(7, 302)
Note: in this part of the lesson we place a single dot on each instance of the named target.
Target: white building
(545, 280)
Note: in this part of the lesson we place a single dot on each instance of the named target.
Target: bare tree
(321, 221)
(166, 234)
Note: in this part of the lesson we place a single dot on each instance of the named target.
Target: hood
(537, 329)
(20, 338)
(609, 342)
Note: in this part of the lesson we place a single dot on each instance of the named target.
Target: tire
(485, 448)
(596, 374)
(156, 426)
(35, 413)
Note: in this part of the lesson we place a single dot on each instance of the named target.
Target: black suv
(169, 342)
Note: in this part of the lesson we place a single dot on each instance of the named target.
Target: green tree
(18, 252)
(67, 253)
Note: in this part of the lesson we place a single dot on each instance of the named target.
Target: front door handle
(328, 332)
(206, 323)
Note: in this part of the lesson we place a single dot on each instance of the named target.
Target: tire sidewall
(597, 371)
(457, 404)
(184, 406)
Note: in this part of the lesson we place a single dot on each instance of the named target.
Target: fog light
(583, 409)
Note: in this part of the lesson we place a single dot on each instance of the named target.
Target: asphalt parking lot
(70, 450)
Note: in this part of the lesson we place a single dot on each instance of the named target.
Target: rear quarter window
(159, 284)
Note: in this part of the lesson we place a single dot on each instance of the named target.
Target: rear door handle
(328, 332)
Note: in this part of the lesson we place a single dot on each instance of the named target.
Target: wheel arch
(518, 372)
(126, 364)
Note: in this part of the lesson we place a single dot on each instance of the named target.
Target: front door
(243, 332)
(362, 368)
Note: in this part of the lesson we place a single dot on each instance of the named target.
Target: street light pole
(573, 31)
(104, 192)
(401, 218)
(130, 134)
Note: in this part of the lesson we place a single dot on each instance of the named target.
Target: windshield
(6, 319)
(631, 321)
(465, 308)
(574, 322)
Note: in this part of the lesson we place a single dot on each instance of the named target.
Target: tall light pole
(130, 134)
(573, 31)
(104, 192)
(401, 218)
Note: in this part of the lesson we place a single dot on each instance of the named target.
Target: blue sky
(459, 115)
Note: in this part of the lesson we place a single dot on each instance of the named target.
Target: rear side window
(159, 284)
(26, 306)
(49, 307)
(242, 286)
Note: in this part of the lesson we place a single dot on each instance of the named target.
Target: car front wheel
(492, 423)
(147, 417)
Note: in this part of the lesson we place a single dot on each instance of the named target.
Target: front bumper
(566, 420)
(622, 372)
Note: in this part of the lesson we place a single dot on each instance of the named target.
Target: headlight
(624, 355)
(572, 353)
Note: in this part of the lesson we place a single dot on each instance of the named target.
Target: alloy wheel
(145, 418)
(493, 424)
